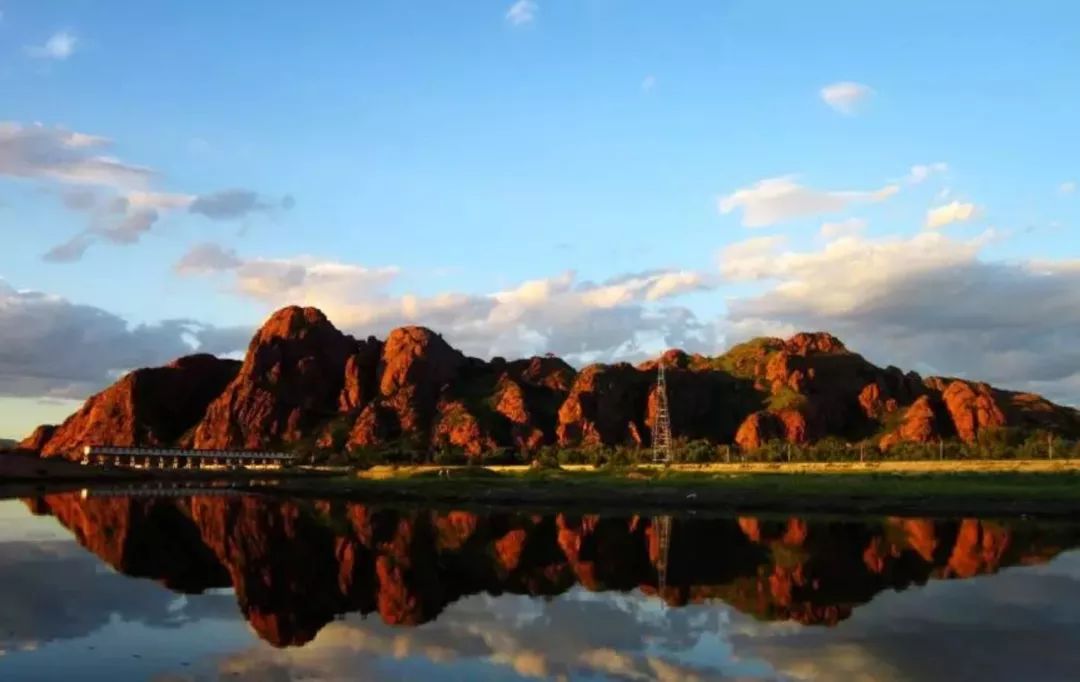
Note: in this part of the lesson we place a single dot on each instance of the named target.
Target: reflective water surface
(260, 588)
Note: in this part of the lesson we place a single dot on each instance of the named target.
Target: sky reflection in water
(67, 614)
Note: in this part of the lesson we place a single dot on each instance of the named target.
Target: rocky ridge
(304, 383)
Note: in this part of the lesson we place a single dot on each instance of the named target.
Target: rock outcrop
(606, 406)
(291, 380)
(414, 367)
(146, 407)
(922, 423)
(305, 384)
(972, 408)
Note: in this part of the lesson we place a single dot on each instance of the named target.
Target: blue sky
(448, 163)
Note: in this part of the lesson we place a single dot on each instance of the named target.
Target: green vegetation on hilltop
(742, 359)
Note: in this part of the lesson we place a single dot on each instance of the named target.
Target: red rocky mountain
(304, 382)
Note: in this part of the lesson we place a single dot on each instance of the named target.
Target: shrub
(831, 449)
(546, 459)
(571, 457)
(450, 456)
(698, 451)
(786, 399)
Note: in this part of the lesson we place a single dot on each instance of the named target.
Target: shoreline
(1010, 488)
(1035, 495)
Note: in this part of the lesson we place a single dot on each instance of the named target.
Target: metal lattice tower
(661, 435)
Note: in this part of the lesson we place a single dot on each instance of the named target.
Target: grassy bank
(1042, 488)
(1032, 488)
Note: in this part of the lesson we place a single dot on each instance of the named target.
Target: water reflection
(339, 590)
(297, 564)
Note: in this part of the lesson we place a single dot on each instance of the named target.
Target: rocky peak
(548, 371)
(417, 355)
(292, 322)
(809, 343)
(291, 378)
(673, 358)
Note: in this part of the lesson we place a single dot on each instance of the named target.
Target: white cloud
(775, 200)
(558, 314)
(1067, 187)
(749, 259)
(921, 172)
(954, 212)
(648, 83)
(843, 228)
(522, 12)
(846, 97)
(926, 302)
(59, 47)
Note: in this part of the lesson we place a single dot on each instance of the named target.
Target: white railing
(113, 451)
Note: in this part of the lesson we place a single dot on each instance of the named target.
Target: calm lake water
(258, 588)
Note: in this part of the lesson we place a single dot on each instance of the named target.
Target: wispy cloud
(921, 172)
(1067, 187)
(117, 197)
(648, 83)
(205, 259)
(232, 204)
(846, 97)
(522, 12)
(38, 151)
(776, 200)
(59, 47)
(955, 212)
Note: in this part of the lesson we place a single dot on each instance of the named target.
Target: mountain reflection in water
(295, 565)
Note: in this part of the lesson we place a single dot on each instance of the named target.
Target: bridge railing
(179, 457)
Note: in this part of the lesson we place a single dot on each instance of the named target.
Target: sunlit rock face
(303, 380)
(146, 407)
(295, 565)
(291, 380)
